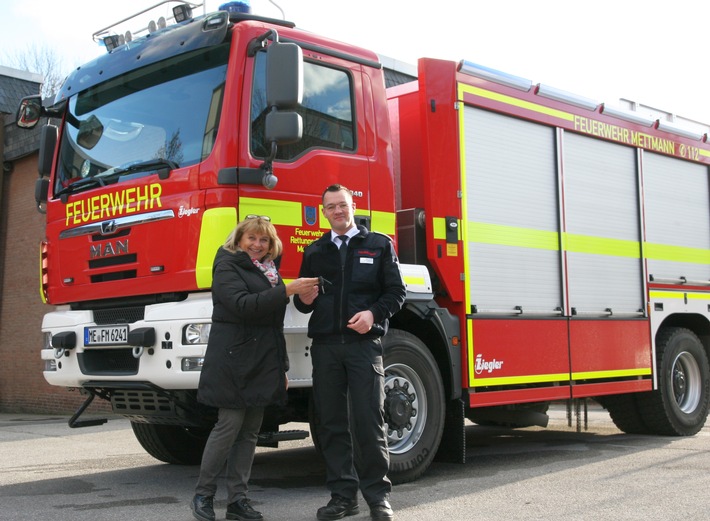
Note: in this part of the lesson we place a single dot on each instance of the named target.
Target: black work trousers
(355, 369)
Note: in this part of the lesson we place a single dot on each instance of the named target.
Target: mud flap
(452, 448)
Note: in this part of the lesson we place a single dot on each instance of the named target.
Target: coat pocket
(366, 264)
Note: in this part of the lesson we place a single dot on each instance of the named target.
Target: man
(362, 289)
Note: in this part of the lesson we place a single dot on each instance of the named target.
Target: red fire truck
(554, 248)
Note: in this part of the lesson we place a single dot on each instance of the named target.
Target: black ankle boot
(241, 510)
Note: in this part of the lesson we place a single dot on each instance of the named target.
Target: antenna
(283, 16)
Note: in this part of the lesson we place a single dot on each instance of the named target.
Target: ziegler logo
(186, 212)
(108, 249)
(484, 366)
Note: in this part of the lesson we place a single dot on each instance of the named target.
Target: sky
(654, 53)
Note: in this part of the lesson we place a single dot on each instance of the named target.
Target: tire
(679, 407)
(516, 416)
(172, 443)
(414, 405)
(624, 412)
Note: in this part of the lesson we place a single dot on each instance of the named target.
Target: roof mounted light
(627, 115)
(182, 12)
(111, 42)
(566, 97)
(503, 78)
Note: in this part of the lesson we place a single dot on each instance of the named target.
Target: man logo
(108, 227)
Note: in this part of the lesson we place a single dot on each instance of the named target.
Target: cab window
(327, 111)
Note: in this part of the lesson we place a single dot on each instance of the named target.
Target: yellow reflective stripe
(676, 253)
(666, 294)
(679, 295)
(414, 281)
(517, 380)
(216, 225)
(528, 238)
(559, 377)
(508, 100)
(439, 228)
(512, 236)
(288, 213)
(601, 245)
(624, 373)
(546, 240)
(41, 277)
(384, 222)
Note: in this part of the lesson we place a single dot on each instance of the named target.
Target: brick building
(22, 386)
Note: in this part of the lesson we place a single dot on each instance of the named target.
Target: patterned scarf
(268, 268)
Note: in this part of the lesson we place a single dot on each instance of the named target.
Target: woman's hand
(304, 287)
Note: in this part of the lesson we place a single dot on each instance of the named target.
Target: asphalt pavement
(51, 472)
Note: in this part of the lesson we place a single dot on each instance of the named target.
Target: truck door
(332, 150)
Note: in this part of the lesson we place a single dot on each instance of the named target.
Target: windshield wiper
(162, 166)
(78, 186)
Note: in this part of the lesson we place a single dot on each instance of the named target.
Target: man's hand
(309, 296)
(362, 322)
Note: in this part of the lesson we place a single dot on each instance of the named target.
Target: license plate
(105, 335)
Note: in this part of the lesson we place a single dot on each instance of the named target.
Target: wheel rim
(686, 382)
(405, 407)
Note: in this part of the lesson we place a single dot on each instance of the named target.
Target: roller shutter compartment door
(511, 227)
(602, 226)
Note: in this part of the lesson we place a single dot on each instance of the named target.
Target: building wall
(22, 386)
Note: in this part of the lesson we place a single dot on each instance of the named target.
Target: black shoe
(337, 508)
(202, 508)
(241, 510)
(381, 511)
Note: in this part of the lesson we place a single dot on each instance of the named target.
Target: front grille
(119, 315)
(116, 275)
(141, 403)
(108, 362)
(117, 260)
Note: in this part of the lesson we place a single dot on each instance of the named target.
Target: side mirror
(284, 75)
(47, 145)
(41, 193)
(29, 112)
(283, 128)
(284, 93)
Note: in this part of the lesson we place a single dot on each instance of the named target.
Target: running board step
(272, 439)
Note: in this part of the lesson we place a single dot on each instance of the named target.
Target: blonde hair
(258, 226)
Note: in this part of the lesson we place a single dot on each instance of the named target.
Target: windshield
(160, 117)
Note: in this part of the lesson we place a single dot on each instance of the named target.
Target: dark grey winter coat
(246, 360)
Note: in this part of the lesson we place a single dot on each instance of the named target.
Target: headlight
(195, 334)
(47, 341)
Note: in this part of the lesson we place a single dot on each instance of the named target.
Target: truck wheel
(679, 407)
(624, 412)
(172, 443)
(414, 405)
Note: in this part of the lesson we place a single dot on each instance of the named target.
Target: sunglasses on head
(254, 216)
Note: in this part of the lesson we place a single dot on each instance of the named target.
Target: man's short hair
(336, 188)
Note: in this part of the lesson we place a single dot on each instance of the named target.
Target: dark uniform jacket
(246, 360)
(370, 280)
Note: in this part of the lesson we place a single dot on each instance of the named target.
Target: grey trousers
(231, 442)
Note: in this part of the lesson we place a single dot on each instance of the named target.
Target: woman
(245, 362)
